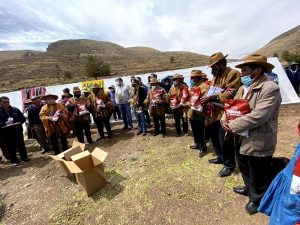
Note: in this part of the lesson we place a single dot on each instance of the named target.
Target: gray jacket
(261, 122)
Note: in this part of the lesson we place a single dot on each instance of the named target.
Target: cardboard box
(89, 170)
(83, 160)
(66, 156)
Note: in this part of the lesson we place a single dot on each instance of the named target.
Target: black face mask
(77, 95)
(216, 72)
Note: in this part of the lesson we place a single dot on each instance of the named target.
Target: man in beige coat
(254, 153)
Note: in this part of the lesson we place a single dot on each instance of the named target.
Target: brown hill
(286, 41)
(20, 69)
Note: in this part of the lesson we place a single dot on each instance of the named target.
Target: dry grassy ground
(153, 180)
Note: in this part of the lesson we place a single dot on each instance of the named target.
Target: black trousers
(256, 173)
(13, 141)
(217, 138)
(198, 128)
(147, 117)
(160, 124)
(178, 115)
(117, 113)
(54, 142)
(81, 126)
(223, 146)
(100, 123)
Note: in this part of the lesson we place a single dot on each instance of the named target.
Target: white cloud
(236, 27)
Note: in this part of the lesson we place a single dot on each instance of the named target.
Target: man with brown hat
(198, 89)
(80, 116)
(54, 119)
(179, 95)
(102, 109)
(36, 123)
(228, 80)
(254, 153)
(156, 100)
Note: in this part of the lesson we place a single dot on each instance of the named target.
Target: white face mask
(153, 87)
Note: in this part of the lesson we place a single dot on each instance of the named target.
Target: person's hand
(204, 100)
(225, 126)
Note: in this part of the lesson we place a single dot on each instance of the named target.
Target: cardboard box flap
(98, 156)
(70, 152)
(83, 160)
(78, 144)
(72, 167)
(56, 157)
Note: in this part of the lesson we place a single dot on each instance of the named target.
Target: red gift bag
(157, 95)
(195, 96)
(235, 108)
(174, 102)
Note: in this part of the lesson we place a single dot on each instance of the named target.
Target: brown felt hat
(215, 58)
(256, 59)
(96, 86)
(49, 95)
(76, 89)
(198, 73)
(177, 76)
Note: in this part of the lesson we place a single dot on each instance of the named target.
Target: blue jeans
(126, 114)
(141, 119)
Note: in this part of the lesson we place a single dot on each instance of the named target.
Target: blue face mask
(175, 82)
(247, 80)
(192, 82)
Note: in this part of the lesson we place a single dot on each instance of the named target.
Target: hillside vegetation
(30, 68)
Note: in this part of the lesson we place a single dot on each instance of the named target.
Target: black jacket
(13, 112)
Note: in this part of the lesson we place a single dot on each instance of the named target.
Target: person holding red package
(179, 95)
(54, 118)
(196, 112)
(254, 152)
(80, 116)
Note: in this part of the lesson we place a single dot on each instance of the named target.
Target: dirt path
(153, 180)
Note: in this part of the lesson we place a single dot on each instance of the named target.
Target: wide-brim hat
(153, 81)
(197, 73)
(76, 89)
(65, 95)
(177, 76)
(96, 86)
(28, 101)
(256, 59)
(36, 97)
(215, 58)
(49, 95)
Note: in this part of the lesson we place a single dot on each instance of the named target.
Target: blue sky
(236, 27)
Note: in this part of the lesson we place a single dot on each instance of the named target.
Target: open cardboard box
(76, 148)
(89, 170)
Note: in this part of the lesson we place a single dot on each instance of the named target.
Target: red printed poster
(195, 96)
(157, 95)
(174, 100)
(185, 94)
(99, 101)
(235, 108)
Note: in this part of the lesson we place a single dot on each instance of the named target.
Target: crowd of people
(250, 139)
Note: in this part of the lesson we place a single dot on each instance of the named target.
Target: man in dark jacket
(11, 120)
(139, 97)
(36, 123)
(293, 73)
